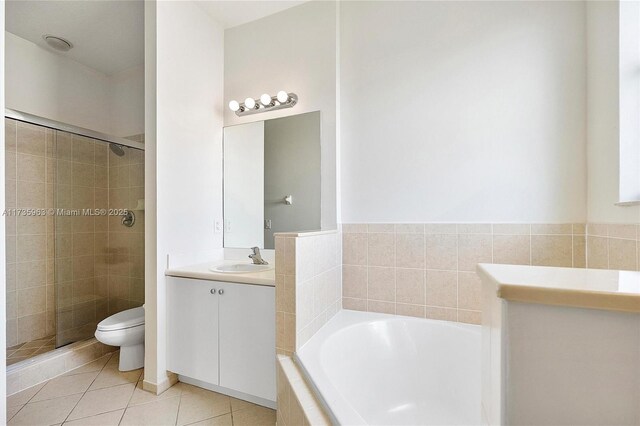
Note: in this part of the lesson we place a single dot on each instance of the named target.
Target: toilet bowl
(125, 329)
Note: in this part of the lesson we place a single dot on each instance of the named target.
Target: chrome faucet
(257, 259)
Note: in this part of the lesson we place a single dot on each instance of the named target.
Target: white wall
(293, 50)
(3, 294)
(49, 85)
(127, 102)
(183, 176)
(603, 126)
(463, 111)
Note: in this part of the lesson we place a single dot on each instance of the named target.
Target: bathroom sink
(240, 268)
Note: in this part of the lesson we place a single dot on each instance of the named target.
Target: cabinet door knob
(221, 291)
(212, 291)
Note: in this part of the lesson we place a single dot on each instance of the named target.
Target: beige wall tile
(30, 168)
(410, 286)
(473, 249)
(354, 249)
(469, 287)
(579, 252)
(31, 274)
(354, 281)
(10, 134)
(354, 304)
(442, 252)
(381, 283)
(381, 249)
(622, 254)
(552, 250)
(410, 251)
(470, 317)
(618, 230)
(374, 228)
(551, 229)
(598, 229)
(474, 228)
(31, 301)
(30, 139)
(511, 229)
(381, 307)
(418, 311)
(30, 195)
(354, 228)
(512, 249)
(31, 247)
(409, 228)
(597, 252)
(579, 228)
(440, 228)
(442, 288)
(444, 314)
(290, 256)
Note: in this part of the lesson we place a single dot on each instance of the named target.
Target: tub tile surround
(613, 246)
(308, 285)
(428, 270)
(297, 404)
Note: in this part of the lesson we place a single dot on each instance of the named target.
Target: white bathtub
(377, 369)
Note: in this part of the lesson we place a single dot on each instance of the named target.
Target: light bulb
(283, 96)
(250, 103)
(265, 99)
(234, 106)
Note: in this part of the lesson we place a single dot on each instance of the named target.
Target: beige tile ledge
(305, 233)
(579, 288)
(297, 405)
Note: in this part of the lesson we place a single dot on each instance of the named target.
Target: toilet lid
(121, 320)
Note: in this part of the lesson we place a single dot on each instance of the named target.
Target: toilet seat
(123, 320)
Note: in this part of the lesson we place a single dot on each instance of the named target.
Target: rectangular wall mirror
(271, 179)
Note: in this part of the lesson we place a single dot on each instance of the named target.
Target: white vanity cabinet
(221, 335)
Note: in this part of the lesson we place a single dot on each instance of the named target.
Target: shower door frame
(56, 125)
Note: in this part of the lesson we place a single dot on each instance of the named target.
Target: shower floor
(27, 350)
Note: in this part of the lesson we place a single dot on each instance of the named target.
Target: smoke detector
(57, 43)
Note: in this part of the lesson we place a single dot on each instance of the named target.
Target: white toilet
(125, 329)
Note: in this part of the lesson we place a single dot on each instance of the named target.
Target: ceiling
(234, 13)
(107, 36)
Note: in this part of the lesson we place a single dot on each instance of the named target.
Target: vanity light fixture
(266, 103)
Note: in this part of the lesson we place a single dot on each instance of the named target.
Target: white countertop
(586, 288)
(203, 271)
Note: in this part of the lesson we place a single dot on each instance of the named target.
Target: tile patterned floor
(29, 349)
(99, 394)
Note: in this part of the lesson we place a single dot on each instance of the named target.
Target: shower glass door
(99, 257)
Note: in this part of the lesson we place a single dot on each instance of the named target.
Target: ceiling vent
(57, 43)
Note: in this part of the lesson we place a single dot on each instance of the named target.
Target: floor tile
(106, 419)
(92, 366)
(47, 412)
(102, 401)
(12, 411)
(216, 421)
(111, 376)
(65, 385)
(158, 413)
(238, 404)
(200, 404)
(141, 396)
(24, 396)
(254, 416)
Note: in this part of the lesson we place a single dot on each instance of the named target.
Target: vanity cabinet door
(192, 328)
(248, 339)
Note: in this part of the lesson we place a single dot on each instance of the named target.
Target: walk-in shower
(71, 261)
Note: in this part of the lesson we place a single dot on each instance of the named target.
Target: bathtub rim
(352, 318)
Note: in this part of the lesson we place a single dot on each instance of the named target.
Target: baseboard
(226, 391)
(159, 388)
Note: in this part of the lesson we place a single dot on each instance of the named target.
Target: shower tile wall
(126, 245)
(30, 172)
(96, 262)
